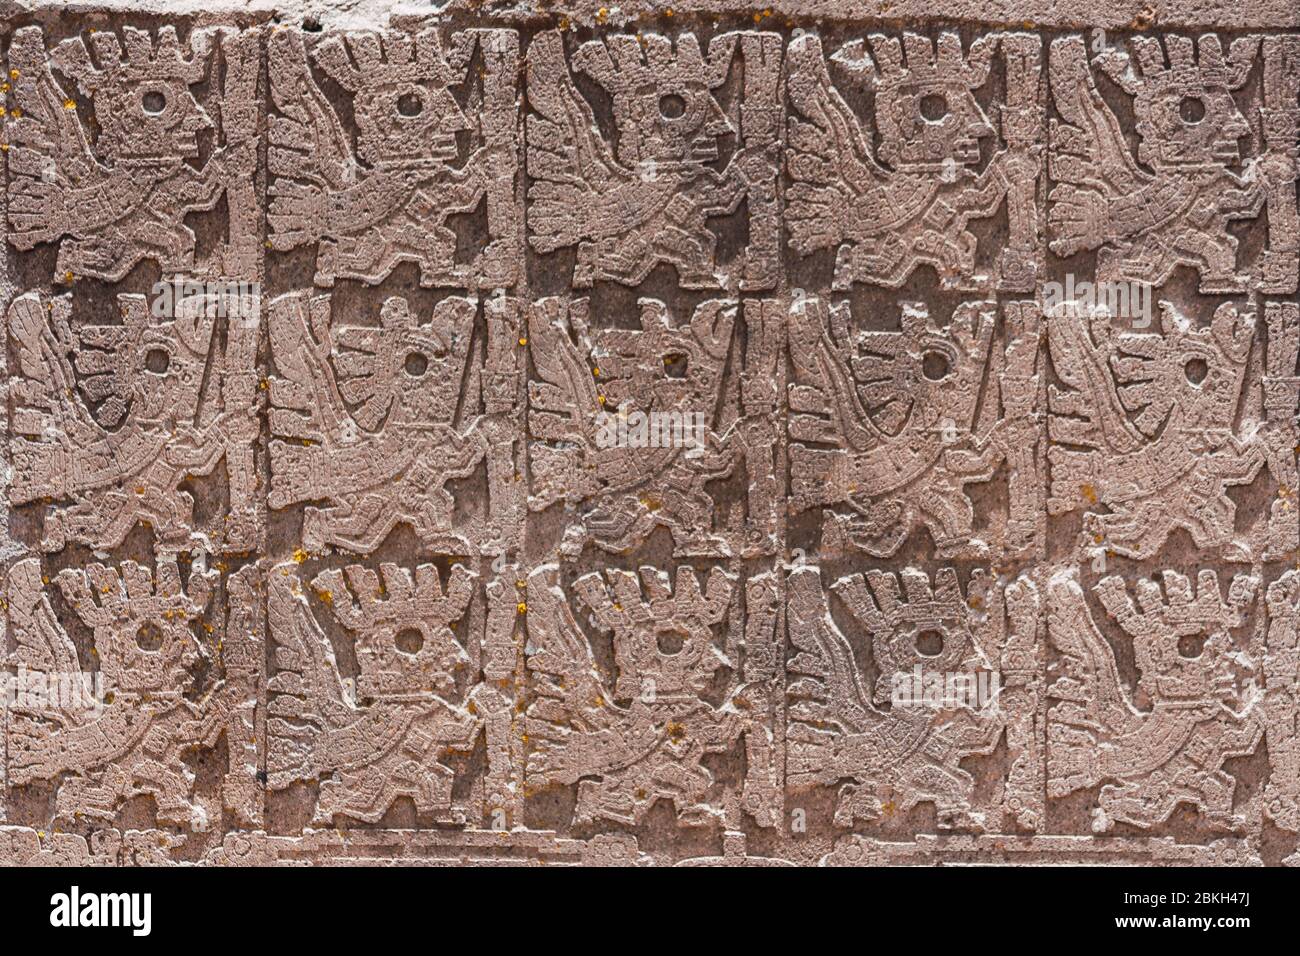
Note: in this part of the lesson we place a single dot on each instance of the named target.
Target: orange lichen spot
(1089, 494)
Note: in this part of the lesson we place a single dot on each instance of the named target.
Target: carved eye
(409, 640)
(1191, 645)
(1191, 109)
(409, 104)
(670, 642)
(157, 361)
(1195, 371)
(671, 106)
(416, 364)
(149, 637)
(934, 107)
(935, 366)
(154, 102)
(929, 643)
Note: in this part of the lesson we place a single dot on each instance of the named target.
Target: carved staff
(1279, 263)
(1022, 128)
(1281, 404)
(239, 118)
(759, 394)
(761, 125)
(1018, 385)
(500, 426)
(239, 392)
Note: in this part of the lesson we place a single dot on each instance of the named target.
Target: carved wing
(307, 700)
(824, 404)
(574, 727)
(573, 170)
(1092, 415)
(58, 446)
(562, 404)
(43, 645)
(1091, 706)
(829, 689)
(305, 401)
(836, 178)
(309, 152)
(1089, 157)
(55, 183)
(306, 405)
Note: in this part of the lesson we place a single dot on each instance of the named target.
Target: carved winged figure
(369, 419)
(135, 741)
(1168, 745)
(645, 736)
(626, 422)
(125, 200)
(910, 201)
(649, 199)
(839, 728)
(390, 200)
(1157, 427)
(141, 407)
(891, 424)
(383, 734)
(1172, 204)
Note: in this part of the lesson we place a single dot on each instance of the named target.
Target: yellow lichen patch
(1089, 494)
(299, 555)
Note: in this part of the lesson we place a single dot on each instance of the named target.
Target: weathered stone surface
(695, 435)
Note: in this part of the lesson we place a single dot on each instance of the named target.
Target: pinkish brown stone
(637, 435)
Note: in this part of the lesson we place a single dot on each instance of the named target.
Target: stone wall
(818, 433)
